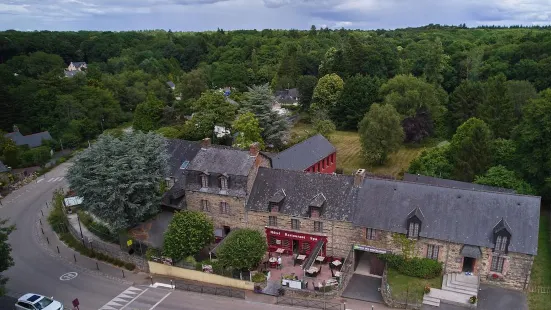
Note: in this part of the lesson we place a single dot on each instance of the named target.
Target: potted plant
(473, 299)
(427, 289)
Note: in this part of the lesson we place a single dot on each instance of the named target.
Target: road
(38, 270)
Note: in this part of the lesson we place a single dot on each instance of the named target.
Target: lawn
(349, 156)
(541, 270)
(402, 286)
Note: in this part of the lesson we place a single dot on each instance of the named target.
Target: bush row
(96, 228)
(414, 267)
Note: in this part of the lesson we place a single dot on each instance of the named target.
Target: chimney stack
(359, 177)
(205, 144)
(253, 149)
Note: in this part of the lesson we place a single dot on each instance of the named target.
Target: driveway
(492, 298)
(363, 288)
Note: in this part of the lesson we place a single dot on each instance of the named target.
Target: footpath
(48, 239)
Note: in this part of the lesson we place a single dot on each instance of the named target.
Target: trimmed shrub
(414, 267)
(259, 277)
(129, 266)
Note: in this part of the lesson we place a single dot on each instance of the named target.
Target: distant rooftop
(423, 179)
(304, 154)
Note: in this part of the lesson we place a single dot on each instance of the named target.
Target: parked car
(37, 302)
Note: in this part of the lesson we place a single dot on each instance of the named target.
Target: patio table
(320, 259)
(280, 251)
(336, 263)
(301, 257)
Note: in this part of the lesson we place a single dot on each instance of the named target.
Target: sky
(199, 15)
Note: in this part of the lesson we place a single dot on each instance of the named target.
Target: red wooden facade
(326, 165)
(304, 243)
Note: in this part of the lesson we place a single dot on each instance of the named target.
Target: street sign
(129, 242)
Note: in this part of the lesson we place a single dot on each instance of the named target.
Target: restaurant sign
(371, 249)
(291, 235)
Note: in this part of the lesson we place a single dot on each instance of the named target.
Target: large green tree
(465, 102)
(359, 93)
(326, 94)
(380, 133)
(187, 234)
(248, 131)
(434, 162)
(306, 85)
(500, 176)
(470, 150)
(243, 249)
(148, 114)
(497, 109)
(119, 179)
(274, 126)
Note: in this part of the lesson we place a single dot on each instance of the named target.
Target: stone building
(490, 234)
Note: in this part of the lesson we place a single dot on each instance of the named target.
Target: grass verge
(541, 270)
(404, 287)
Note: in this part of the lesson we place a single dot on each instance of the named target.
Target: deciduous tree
(119, 179)
(243, 249)
(380, 132)
(187, 234)
(248, 131)
(148, 114)
(327, 93)
(500, 176)
(433, 162)
(306, 85)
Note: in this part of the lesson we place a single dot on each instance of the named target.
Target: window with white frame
(204, 181)
(413, 231)
(497, 264)
(370, 233)
(224, 183)
(205, 205)
(432, 251)
(272, 221)
(295, 224)
(318, 226)
(224, 207)
(501, 243)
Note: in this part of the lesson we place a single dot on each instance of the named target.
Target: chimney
(253, 149)
(15, 128)
(359, 177)
(205, 144)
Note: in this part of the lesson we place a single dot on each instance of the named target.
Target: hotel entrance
(293, 242)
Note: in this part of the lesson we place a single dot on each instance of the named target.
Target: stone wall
(517, 270)
(234, 219)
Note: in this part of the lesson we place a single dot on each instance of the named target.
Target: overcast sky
(196, 15)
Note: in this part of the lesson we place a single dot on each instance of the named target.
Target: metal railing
(212, 290)
(308, 303)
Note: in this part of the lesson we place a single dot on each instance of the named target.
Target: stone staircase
(457, 288)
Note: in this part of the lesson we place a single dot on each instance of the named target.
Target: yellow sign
(129, 242)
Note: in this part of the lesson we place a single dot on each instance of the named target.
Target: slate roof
(458, 215)
(32, 141)
(304, 154)
(222, 160)
(3, 168)
(453, 183)
(301, 190)
(79, 63)
(180, 151)
(170, 84)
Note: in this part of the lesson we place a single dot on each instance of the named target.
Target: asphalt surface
(38, 270)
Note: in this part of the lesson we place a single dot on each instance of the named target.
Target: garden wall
(176, 272)
(387, 296)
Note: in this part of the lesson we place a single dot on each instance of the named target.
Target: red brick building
(315, 154)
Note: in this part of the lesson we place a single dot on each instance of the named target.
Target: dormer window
(276, 201)
(414, 221)
(204, 180)
(274, 207)
(224, 183)
(502, 236)
(316, 205)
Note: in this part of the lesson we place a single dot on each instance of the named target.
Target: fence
(212, 290)
(346, 270)
(540, 289)
(309, 303)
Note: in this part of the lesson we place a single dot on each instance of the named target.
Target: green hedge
(414, 267)
(96, 228)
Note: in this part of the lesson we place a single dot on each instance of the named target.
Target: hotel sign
(371, 249)
(291, 235)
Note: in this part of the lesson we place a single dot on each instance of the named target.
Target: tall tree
(326, 94)
(120, 178)
(433, 162)
(187, 234)
(498, 110)
(533, 137)
(274, 127)
(148, 114)
(192, 84)
(248, 131)
(470, 150)
(520, 92)
(306, 85)
(359, 93)
(380, 133)
(465, 102)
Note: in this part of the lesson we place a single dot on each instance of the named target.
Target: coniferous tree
(120, 179)
(274, 126)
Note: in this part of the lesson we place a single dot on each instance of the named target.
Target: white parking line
(38, 181)
(160, 301)
(123, 299)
